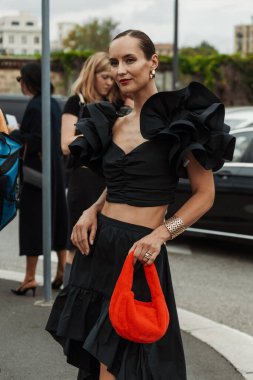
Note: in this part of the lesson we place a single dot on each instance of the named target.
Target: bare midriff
(151, 217)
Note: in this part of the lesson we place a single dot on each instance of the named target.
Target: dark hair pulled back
(31, 76)
(145, 42)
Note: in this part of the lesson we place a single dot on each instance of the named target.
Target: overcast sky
(209, 20)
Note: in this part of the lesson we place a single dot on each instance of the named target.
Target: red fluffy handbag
(138, 321)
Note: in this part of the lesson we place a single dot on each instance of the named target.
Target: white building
(63, 29)
(20, 35)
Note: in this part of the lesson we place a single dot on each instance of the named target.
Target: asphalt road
(215, 281)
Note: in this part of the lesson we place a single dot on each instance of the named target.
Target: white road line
(234, 345)
(17, 276)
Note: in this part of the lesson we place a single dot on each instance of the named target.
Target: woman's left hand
(148, 248)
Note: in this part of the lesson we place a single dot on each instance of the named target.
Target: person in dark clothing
(30, 214)
(94, 83)
(142, 155)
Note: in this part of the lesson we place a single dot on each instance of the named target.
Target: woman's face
(103, 83)
(130, 68)
(23, 86)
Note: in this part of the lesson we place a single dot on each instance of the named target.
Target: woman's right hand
(84, 231)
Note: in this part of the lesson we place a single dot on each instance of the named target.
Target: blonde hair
(84, 84)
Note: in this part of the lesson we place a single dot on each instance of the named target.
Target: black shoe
(22, 291)
(57, 283)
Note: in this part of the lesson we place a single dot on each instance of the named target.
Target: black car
(232, 213)
(16, 104)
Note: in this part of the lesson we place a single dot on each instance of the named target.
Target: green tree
(95, 35)
(204, 48)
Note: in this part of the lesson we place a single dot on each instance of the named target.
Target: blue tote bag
(9, 175)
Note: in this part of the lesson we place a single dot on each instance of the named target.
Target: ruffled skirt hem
(87, 344)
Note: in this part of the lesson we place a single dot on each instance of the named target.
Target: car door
(233, 208)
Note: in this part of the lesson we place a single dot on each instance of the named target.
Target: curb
(235, 346)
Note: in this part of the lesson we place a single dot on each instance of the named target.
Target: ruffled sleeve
(96, 135)
(191, 119)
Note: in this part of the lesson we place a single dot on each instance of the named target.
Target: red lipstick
(124, 82)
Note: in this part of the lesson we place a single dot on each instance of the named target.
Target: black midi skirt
(80, 322)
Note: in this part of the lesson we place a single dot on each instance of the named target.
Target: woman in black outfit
(30, 213)
(94, 83)
(142, 155)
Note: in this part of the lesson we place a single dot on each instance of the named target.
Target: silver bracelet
(175, 226)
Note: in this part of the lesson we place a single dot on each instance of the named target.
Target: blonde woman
(94, 83)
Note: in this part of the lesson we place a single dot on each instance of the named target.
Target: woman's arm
(203, 192)
(68, 130)
(198, 204)
(85, 229)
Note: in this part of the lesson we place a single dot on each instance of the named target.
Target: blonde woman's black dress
(84, 186)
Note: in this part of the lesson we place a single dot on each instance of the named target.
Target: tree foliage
(95, 35)
(203, 49)
(229, 76)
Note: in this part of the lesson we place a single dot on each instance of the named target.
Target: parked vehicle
(232, 213)
(239, 117)
(16, 104)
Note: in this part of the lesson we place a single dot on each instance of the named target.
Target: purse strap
(125, 279)
(82, 104)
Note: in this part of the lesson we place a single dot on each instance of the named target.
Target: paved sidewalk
(27, 351)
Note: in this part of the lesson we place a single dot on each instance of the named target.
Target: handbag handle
(126, 280)
(3, 139)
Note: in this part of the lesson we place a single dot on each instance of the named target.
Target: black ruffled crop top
(174, 123)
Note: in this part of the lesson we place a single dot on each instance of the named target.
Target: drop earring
(152, 74)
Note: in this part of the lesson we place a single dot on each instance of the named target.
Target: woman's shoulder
(100, 120)
(191, 119)
(33, 107)
(73, 98)
(35, 101)
(195, 103)
(96, 133)
(72, 105)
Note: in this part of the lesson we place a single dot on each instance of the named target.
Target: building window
(11, 39)
(36, 40)
(23, 51)
(1, 40)
(15, 23)
(23, 39)
(30, 23)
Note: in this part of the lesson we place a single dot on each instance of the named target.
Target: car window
(243, 147)
(234, 122)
